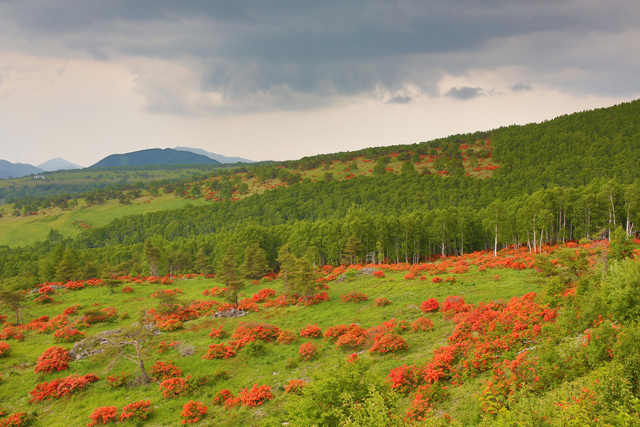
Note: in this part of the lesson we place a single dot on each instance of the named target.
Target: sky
(284, 79)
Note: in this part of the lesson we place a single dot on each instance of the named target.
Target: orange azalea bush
(53, 359)
(308, 351)
(311, 331)
(192, 412)
(255, 396)
(103, 415)
(295, 387)
(139, 410)
(389, 343)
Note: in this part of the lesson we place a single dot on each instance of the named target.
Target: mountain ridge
(154, 156)
(218, 157)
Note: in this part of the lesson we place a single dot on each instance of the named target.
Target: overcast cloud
(218, 60)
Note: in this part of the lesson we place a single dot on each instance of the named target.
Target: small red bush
(308, 351)
(5, 349)
(422, 324)
(104, 415)
(127, 290)
(139, 410)
(389, 343)
(53, 359)
(379, 274)
(219, 351)
(430, 305)
(286, 337)
(165, 370)
(295, 387)
(311, 331)
(174, 387)
(60, 387)
(436, 280)
(256, 396)
(192, 412)
(354, 297)
(222, 396)
(381, 302)
(68, 334)
(217, 332)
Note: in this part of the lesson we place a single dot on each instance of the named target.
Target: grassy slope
(26, 230)
(19, 379)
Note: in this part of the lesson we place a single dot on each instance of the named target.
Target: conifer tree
(255, 263)
(152, 255)
(228, 274)
(287, 264)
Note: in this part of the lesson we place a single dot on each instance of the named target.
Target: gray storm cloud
(251, 55)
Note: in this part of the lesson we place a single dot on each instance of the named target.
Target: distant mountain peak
(155, 156)
(58, 164)
(16, 170)
(218, 157)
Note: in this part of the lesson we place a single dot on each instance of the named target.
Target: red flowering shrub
(422, 324)
(115, 381)
(389, 343)
(354, 297)
(60, 387)
(450, 280)
(174, 387)
(19, 419)
(73, 286)
(352, 358)
(248, 305)
(192, 412)
(165, 370)
(70, 311)
(256, 331)
(222, 396)
(355, 337)
(430, 305)
(263, 295)
(436, 280)
(11, 332)
(454, 305)
(139, 410)
(286, 337)
(379, 274)
(169, 324)
(381, 302)
(68, 334)
(256, 396)
(127, 290)
(53, 359)
(308, 351)
(46, 290)
(43, 299)
(409, 276)
(5, 349)
(164, 346)
(295, 387)
(217, 332)
(311, 331)
(219, 351)
(406, 378)
(104, 415)
(423, 277)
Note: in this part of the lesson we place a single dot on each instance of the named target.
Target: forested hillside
(486, 279)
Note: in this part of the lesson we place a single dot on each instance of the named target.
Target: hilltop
(154, 156)
(14, 170)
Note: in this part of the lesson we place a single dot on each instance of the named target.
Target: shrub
(169, 324)
(254, 349)
(19, 419)
(379, 274)
(287, 337)
(256, 396)
(68, 334)
(139, 410)
(409, 276)
(422, 324)
(308, 351)
(295, 387)
(430, 305)
(311, 331)
(219, 351)
(164, 346)
(70, 311)
(381, 302)
(389, 343)
(352, 358)
(53, 359)
(116, 381)
(165, 370)
(5, 349)
(43, 299)
(263, 295)
(217, 332)
(192, 412)
(454, 305)
(355, 297)
(436, 280)
(222, 396)
(103, 415)
(61, 387)
(174, 387)
(127, 290)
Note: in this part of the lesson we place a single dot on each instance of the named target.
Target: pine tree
(228, 274)
(202, 262)
(255, 263)
(152, 255)
(304, 278)
(287, 264)
(352, 247)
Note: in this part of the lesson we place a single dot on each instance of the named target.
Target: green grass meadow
(406, 296)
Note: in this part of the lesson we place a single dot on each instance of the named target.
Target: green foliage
(622, 289)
